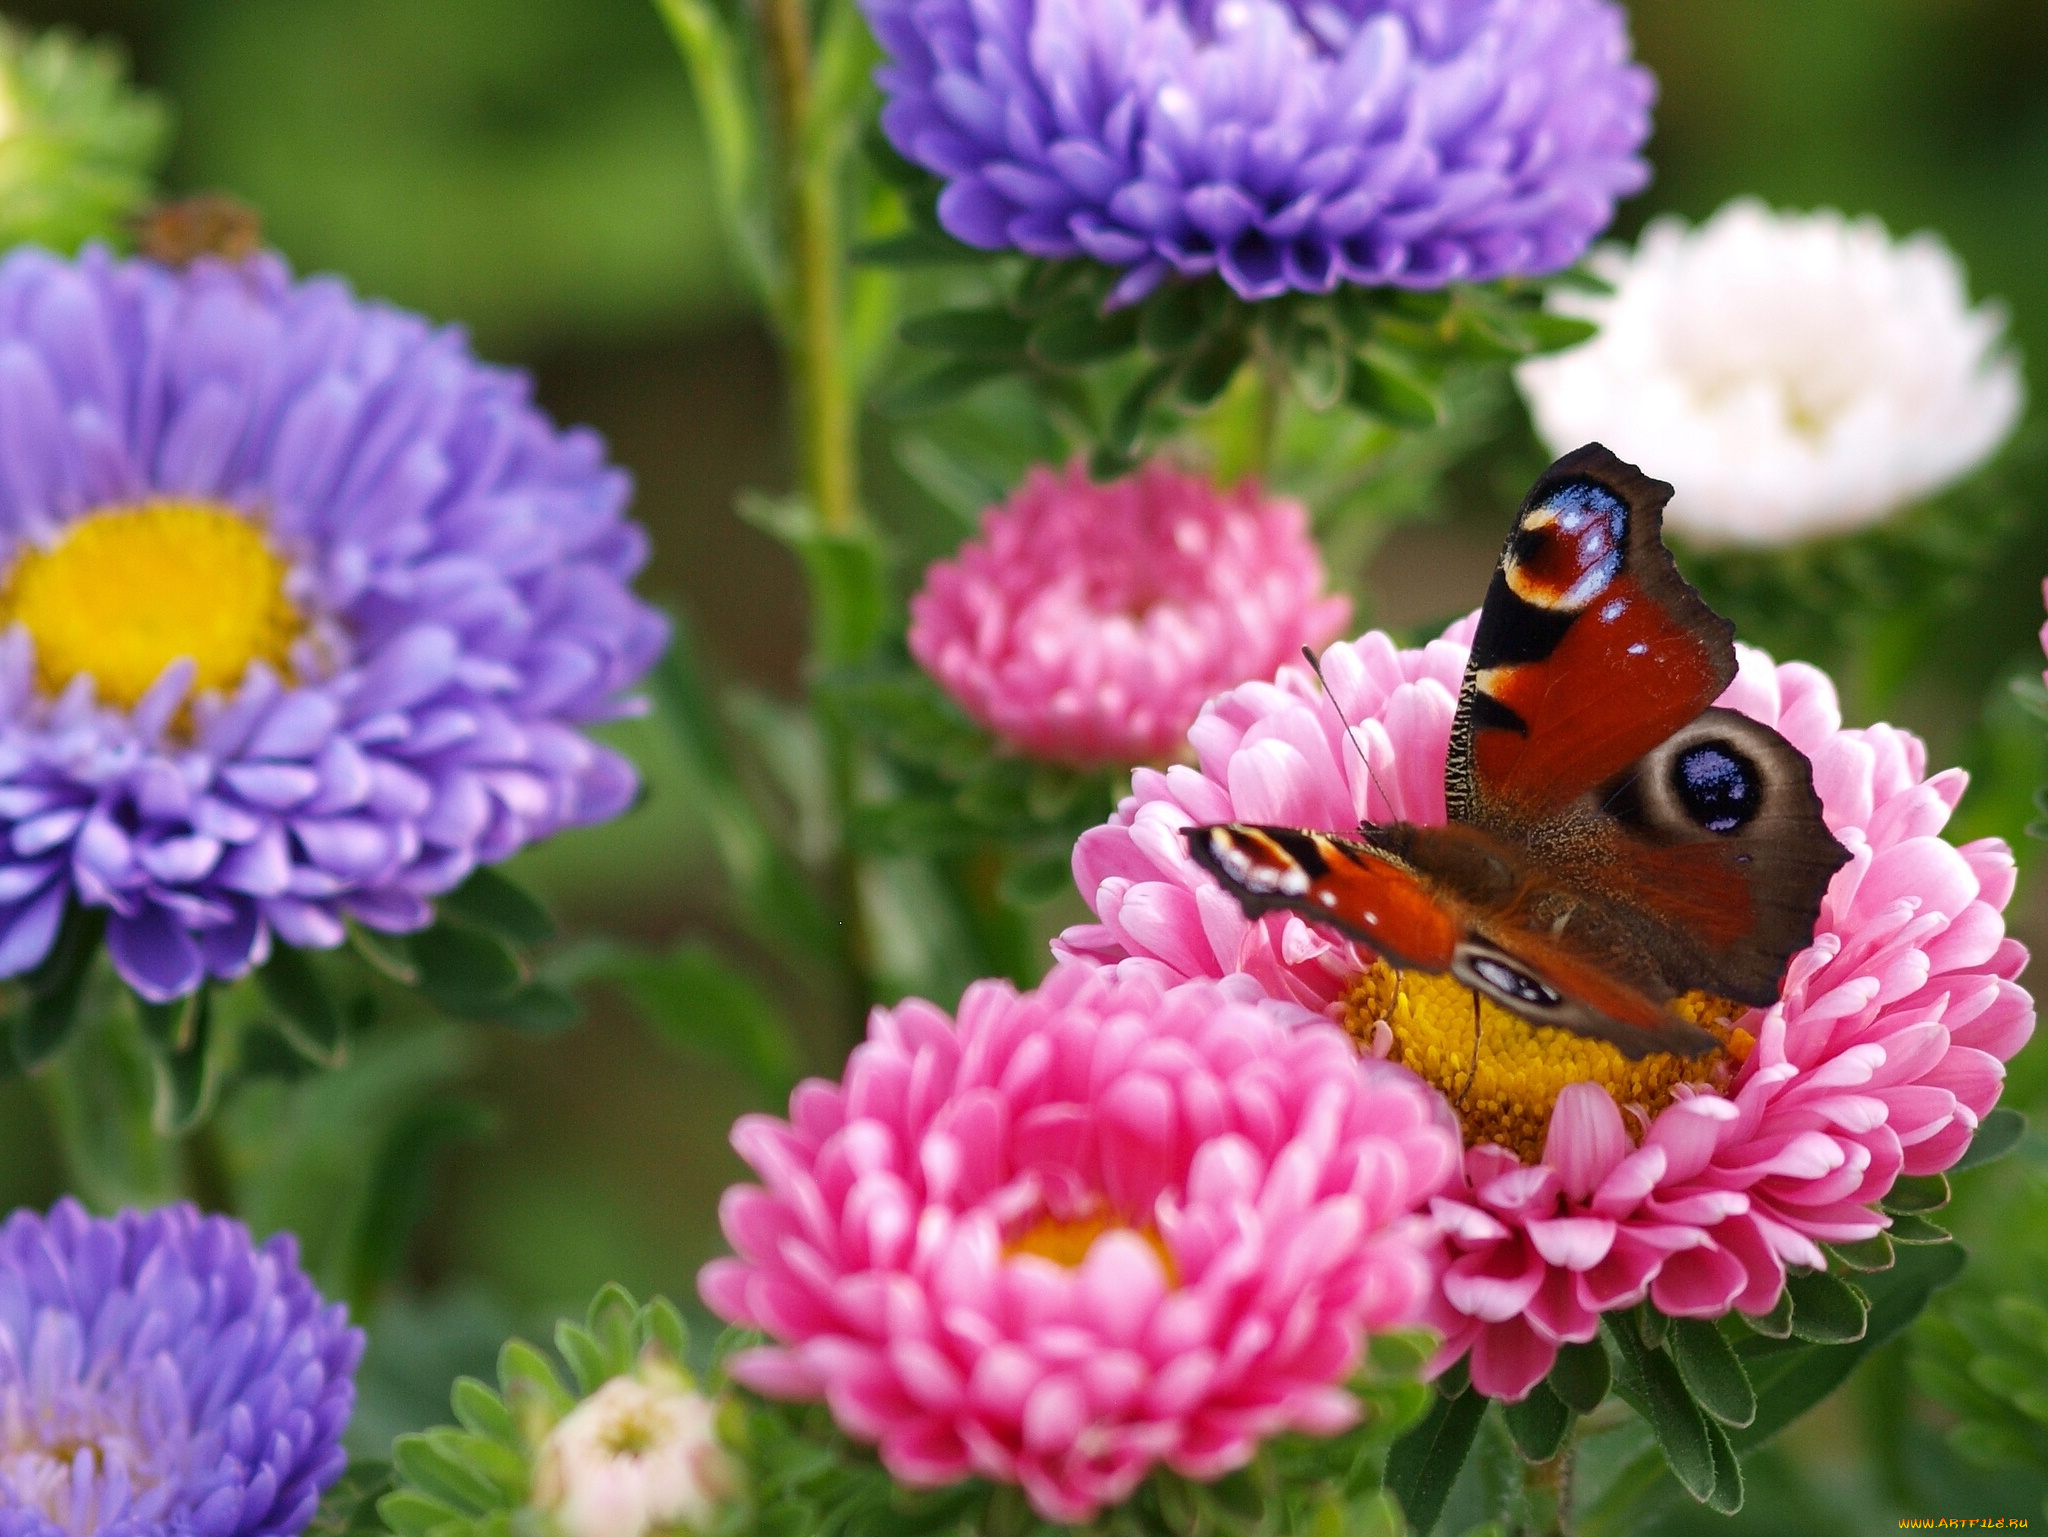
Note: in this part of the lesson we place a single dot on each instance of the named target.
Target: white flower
(1791, 374)
(634, 1457)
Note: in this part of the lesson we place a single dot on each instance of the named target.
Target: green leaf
(349, 1509)
(1206, 375)
(846, 571)
(1424, 1463)
(488, 901)
(1651, 1381)
(469, 973)
(1826, 1310)
(412, 1514)
(306, 1014)
(1538, 1423)
(1791, 1380)
(55, 987)
(1382, 390)
(424, 1462)
(539, 1009)
(1175, 317)
(1908, 1228)
(1777, 1323)
(1081, 334)
(1997, 1135)
(992, 334)
(483, 1413)
(399, 1188)
(184, 1085)
(1581, 1376)
(576, 1346)
(1727, 1495)
(1127, 422)
(1871, 1254)
(1553, 333)
(700, 1004)
(1711, 1370)
(939, 387)
(388, 955)
(1917, 1193)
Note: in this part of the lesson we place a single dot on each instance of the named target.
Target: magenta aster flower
(1286, 144)
(161, 1375)
(1094, 1227)
(1088, 622)
(1591, 1182)
(303, 607)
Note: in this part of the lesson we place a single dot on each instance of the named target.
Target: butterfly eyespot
(1720, 788)
(1513, 983)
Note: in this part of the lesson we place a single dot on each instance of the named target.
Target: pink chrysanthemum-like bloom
(1112, 1222)
(1088, 623)
(1883, 1054)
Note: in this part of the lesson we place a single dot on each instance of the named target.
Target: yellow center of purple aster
(125, 592)
(1066, 1240)
(1425, 1022)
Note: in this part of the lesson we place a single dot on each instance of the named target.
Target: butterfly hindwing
(1591, 648)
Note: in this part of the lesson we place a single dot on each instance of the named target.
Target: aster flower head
(1286, 145)
(1795, 374)
(303, 608)
(1109, 1223)
(1592, 1182)
(162, 1375)
(1087, 623)
(641, 1454)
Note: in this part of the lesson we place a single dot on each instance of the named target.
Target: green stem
(1547, 1491)
(820, 402)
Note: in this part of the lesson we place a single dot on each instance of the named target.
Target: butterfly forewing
(1591, 648)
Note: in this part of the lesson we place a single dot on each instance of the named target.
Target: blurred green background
(530, 168)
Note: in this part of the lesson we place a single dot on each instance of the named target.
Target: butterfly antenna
(1472, 1076)
(1315, 666)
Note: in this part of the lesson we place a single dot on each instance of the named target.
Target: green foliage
(78, 144)
(476, 1477)
(806, 1478)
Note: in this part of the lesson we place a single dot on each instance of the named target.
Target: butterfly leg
(1472, 1076)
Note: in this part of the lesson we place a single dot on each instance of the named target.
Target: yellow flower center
(1507, 1096)
(1066, 1240)
(127, 591)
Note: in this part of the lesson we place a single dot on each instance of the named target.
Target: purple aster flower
(303, 608)
(163, 1376)
(1287, 144)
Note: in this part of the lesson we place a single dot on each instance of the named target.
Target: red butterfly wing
(1354, 889)
(1591, 648)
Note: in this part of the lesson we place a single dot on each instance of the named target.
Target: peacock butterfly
(1613, 841)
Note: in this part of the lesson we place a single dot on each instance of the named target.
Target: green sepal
(185, 1083)
(1581, 1376)
(1777, 1323)
(1712, 1371)
(1080, 334)
(349, 1508)
(1538, 1423)
(1866, 1256)
(56, 986)
(1726, 1498)
(306, 1014)
(1650, 1380)
(1920, 1193)
(1827, 1310)
(995, 335)
(1379, 388)
(1911, 1229)
(1998, 1134)
(489, 901)
(465, 971)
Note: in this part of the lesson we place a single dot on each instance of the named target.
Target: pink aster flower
(1105, 1224)
(1088, 623)
(1883, 1054)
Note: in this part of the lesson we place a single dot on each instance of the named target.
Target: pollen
(1425, 1022)
(1066, 1241)
(129, 590)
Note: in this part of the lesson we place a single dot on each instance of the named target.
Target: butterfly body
(1613, 840)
